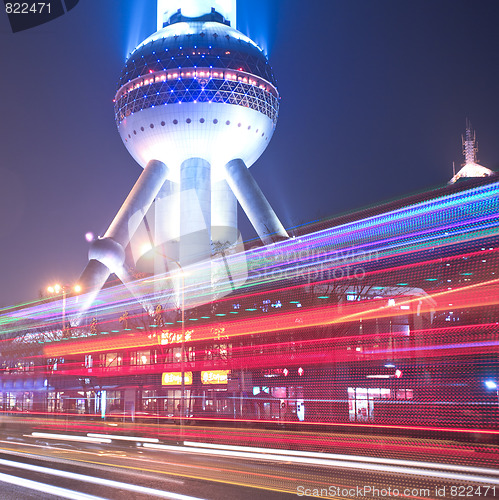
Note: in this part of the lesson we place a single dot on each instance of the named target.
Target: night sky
(374, 98)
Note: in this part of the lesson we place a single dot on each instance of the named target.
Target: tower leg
(137, 203)
(154, 246)
(254, 203)
(195, 211)
(107, 254)
(224, 231)
(92, 279)
(167, 219)
(166, 231)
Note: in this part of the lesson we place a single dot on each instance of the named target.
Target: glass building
(382, 317)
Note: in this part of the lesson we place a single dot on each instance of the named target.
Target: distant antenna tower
(470, 146)
(471, 169)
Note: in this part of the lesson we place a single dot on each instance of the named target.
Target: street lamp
(182, 351)
(182, 345)
(492, 385)
(63, 289)
(182, 348)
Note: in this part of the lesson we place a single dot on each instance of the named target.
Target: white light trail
(46, 488)
(347, 463)
(123, 438)
(90, 465)
(68, 437)
(335, 456)
(98, 480)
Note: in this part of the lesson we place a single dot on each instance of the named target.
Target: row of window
(144, 60)
(183, 91)
(188, 121)
(203, 75)
(148, 357)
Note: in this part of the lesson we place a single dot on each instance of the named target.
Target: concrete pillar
(195, 211)
(167, 216)
(156, 241)
(107, 254)
(223, 215)
(92, 279)
(166, 230)
(137, 203)
(254, 203)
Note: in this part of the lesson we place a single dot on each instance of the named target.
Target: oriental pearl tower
(196, 106)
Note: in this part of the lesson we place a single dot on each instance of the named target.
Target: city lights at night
(292, 280)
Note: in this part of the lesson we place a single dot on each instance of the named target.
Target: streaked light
(46, 488)
(146, 247)
(150, 492)
(490, 384)
(344, 461)
(68, 437)
(123, 438)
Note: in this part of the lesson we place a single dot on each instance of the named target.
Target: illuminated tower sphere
(196, 105)
(196, 89)
(200, 97)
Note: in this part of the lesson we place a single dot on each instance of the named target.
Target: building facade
(387, 318)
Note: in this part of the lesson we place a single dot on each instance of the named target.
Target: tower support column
(107, 254)
(254, 203)
(224, 231)
(195, 211)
